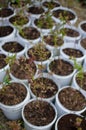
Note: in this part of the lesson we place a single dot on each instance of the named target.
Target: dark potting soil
(71, 122)
(12, 94)
(30, 33)
(70, 32)
(35, 10)
(39, 52)
(83, 43)
(23, 68)
(12, 47)
(72, 99)
(39, 113)
(67, 15)
(2, 61)
(19, 20)
(82, 81)
(61, 67)
(73, 52)
(5, 12)
(83, 26)
(53, 41)
(51, 4)
(5, 31)
(44, 87)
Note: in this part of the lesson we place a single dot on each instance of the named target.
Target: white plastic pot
(43, 30)
(18, 54)
(63, 110)
(55, 49)
(34, 16)
(40, 63)
(62, 80)
(69, 39)
(17, 26)
(75, 84)
(83, 32)
(72, 46)
(4, 20)
(64, 117)
(10, 36)
(80, 46)
(57, 20)
(14, 112)
(3, 71)
(28, 42)
(22, 80)
(47, 76)
(29, 126)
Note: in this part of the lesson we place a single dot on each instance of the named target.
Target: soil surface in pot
(19, 20)
(35, 10)
(53, 41)
(67, 15)
(39, 52)
(61, 67)
(43, 87)
(81, 81)
(5, 12)
(5, 31)
(70, 32)
(30, 33)
(72, 52)
(83, 26)
(23, 68)
(12, 94)
(51, 4)
(2, 61)
(72, 122)
(72, 99)
(83, 43)
(12, 47)
(39, 113)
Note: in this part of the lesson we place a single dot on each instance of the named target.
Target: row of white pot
(30, 22)
(45, 64)
(61, 8)
(17, 111)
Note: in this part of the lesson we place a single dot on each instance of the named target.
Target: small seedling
(10, 59)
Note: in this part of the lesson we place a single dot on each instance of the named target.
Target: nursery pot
(61, 77)
(70, 51)
(71, 105)
(41, 55)
(5, 68)
(30, 126)
(70, 121)
(71, 34)
(79, 82)
(23, 70)
(65, 12)
(13, 47)
(82, 28)
(9, 32)
(13, 112)
(28, 35)
(44, 80)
